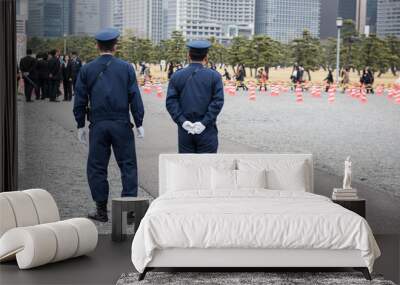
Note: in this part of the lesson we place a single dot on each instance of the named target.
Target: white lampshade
(339, 22)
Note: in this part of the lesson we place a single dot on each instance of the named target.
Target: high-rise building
(22, 17)
(372, 8)
(144, 18)
(85, 17)
(48, 18)
(202, 19)
(355, 10)
(285, 20)
(328, 15)
(117, 14)
(105, 13)
(361, 16)
(388, 18)
(347, 9)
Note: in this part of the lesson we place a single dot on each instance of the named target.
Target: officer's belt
(111, 116)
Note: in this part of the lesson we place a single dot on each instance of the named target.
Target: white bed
(223, 217)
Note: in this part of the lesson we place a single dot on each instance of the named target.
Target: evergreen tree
(373, 53)
(176, 48)
(217, 53)
(393, 45)
(306, 51)
(237, 52)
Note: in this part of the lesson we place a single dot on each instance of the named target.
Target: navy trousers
(102, 136)
(28, 88)
(53, 89)
(206, 142)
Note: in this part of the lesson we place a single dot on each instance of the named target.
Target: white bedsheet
(250, 219)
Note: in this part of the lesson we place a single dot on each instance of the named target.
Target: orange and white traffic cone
(379, 90)
(147, 89)
(252, 92)
(299, 94)
(331, 98)
(391, 93)
(274, 90)
(363, 96)
(396, 96)
(299, 98)
(159, 91)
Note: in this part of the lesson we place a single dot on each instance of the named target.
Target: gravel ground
(369, 132)
(50, 157)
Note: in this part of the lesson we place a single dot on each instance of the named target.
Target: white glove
(189, 127)
(140, 132)
(198, 128)
(83, 136)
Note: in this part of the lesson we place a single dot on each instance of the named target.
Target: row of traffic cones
(355, 91)
(149, 87)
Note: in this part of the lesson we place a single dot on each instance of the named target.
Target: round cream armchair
(31, 231)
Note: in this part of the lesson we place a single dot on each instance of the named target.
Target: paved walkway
(51, 158)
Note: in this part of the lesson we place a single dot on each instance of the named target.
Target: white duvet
(250, 219)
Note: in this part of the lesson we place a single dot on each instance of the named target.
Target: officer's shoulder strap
(99, 74)
(188, 78)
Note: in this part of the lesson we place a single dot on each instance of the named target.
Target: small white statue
(347, 174)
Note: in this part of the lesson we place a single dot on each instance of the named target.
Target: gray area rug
(243, 278)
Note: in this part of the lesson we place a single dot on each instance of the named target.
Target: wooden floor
(106, 264)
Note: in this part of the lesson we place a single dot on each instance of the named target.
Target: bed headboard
(209, 159)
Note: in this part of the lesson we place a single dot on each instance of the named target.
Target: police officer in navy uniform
(195, 98)
(107, 89)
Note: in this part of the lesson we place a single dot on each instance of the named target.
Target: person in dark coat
(195, 98)
(300, 74)
(27, 66)
(226, 74)
(170, 70)
(54, 75)
(241, 74)
(67, 78)
(367, 79)
(76, 65)
(109, 86)
(329, 80)
(43, 75)
(371, 80)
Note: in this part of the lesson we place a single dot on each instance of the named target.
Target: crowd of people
(44, 74)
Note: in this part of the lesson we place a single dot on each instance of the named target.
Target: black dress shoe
(98, 217)
(101, 212)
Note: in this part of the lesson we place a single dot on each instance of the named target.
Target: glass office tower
(388, 18)
(285, 20)
(202, 19)
(48, 18)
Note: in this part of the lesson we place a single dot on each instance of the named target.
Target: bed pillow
(252, 179)
(223, 180)
(183, 177)
(282, 174)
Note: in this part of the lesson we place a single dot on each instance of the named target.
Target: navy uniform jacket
(202, 98)
(112, 94)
